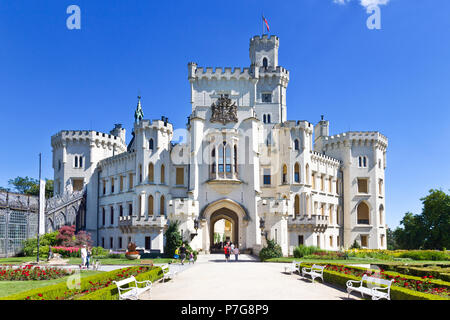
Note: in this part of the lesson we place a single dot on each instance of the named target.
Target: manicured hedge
(58, 290)
(397, 293)
(112, 293)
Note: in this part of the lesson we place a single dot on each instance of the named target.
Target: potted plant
(131, 253)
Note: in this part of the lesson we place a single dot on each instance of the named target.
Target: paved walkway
(211, 278)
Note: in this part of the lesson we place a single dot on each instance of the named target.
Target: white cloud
(364, 3)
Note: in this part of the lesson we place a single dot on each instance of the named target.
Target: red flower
(40, 294)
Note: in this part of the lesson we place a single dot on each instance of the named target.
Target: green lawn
(11, 287)
(355, 261)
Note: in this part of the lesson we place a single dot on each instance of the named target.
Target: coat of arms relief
(224, 110)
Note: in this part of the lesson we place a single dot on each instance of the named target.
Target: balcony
(135, 223)
(316, 223)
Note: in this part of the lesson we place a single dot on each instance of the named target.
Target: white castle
(240, 160)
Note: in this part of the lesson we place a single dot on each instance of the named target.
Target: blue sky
(395, 80)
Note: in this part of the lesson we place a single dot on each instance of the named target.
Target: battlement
(317, 156)
(357, 136)
(218, 73)
(264, 39)
(89, 137)
(300, 124)
(153, 124)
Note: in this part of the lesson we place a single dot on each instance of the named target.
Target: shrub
(355, 245)
(99, 251)
(302, 250)
(425, 255)
(273, 250)
(173, 239)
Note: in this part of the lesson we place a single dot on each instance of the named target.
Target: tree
(391, 243)
(66, 236)
(435, 220)
(411, 235)
(30, 186)
(173, 238)
(83, 238)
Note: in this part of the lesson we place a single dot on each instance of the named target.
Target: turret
(264, 51)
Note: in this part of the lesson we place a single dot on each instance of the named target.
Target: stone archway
(229, 215)
(226, 209)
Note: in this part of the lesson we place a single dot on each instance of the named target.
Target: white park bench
(315, 271)
(294, 266)
(375, 287)
(132, 292)
(167, 273)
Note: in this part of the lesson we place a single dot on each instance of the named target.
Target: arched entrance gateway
(230, 217)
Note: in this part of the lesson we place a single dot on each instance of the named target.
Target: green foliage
(273, 250)
(428, 255)
(355, 245)
(430, 229)
(30, 245)
(302, 250)
(30, 186)
(173, 238)
(99, 251)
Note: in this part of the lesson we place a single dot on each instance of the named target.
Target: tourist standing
(88, 257)
(182, 253)
(236, 253)
(83, 256)
(232, 247)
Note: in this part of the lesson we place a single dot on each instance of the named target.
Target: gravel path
(211, 278)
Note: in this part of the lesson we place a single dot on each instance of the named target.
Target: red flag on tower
(267, 24)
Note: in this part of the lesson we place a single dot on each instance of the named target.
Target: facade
(240, 160)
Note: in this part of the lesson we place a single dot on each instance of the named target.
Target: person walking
(88, 257)
(236, 253)
(226, 249)
(182, 253)
(83, 252)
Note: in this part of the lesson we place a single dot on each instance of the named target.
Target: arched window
(264, 118)
(81, 162)
(363, 213)
(221, 158)
(151, 174)
(307, 174)
(296, 145)
(360, 162)
(268, 118)
(235, 159)
(265, 63)
(284, 177)
(297, 205)
(228, 159)
(381, 214)
(297, 172)
(213, 160)
(365, 162)
(308, 210)
(163, 178)
(162, 206)
(150, 144)
(140, 173)
(76, 161)
(150, 205)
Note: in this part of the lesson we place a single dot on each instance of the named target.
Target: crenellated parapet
(92, 138)
(324, 159)
(219, 73)
(159, 125)
(355, 138)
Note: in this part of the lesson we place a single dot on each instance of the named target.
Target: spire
(138, 114)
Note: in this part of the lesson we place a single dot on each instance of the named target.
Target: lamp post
(196, 225)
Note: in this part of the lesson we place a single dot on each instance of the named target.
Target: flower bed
(85, 286)
(415, 287)
(67, 252)
(392, 255)
(29, 272)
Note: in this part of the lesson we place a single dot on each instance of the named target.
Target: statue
(225, 111)
(139, 113)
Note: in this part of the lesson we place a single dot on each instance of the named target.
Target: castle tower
(264, 51)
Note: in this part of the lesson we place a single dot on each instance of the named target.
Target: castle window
(228, 159)
(213, 160)
(297, 205)
(76, 162)
(130, 209)
(220, 159)
(264, 118)
(150, 144)
(296, 145)
(121, 183)
(379, 163)
(112, 185)
(130, 181)
(81, 162)
(284, 177)
(266, 177)
(103, 216)
(363, 162)
(235, 159)
(103, 242)
(307, 174)
(330, 185)
(112, 215)
(120, 210)
(364, 241)
(104, 187)
(265, 62)
(268, 117)
(140, 173)
(59, 165)
(150, 172)
(331, 214)
(331, 241)
(381, 212)
(313, 178)
(163, 176)
(162, 207)
(150, 205)
(380, 187)
(180, 176)
(120, 242)
(111, 242)
(297, 173)
(266, 97)
(363, 213)
(363, 185)
(322, 183)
